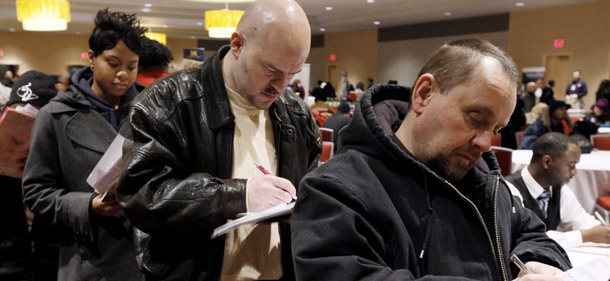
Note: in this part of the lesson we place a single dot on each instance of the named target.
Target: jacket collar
(217, 107)
(69, 100)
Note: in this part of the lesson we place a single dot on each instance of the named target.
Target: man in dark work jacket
(553, 164)
(403, 199)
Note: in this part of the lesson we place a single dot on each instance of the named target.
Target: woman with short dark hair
(70, 135)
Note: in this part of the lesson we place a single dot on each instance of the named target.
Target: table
(591, 181)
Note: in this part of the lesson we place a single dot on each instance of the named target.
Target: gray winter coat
(68, 139)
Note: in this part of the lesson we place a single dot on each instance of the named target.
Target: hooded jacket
(176, 183)
(68, 139)
(373, 212)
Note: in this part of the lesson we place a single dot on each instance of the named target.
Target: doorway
(559, 67)
(333, 74)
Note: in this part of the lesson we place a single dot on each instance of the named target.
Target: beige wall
(43, 51)
(356, 53)
(177, 45)
(51, 52)
(316, 62)
(585, 30)
(402, 60)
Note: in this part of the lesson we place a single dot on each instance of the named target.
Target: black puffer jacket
(373, 212)
(176, 183)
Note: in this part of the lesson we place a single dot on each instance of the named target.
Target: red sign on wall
(333, 57)
(558, 43)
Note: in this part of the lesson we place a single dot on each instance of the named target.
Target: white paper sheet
(277, 211)
(594, 270)
(107, 171)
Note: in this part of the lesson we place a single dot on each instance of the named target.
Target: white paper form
(594, 270)
(276, 211)
(107, 171)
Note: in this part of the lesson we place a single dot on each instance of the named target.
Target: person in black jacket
(16, 241)
(426, 201)
(517, 120)
(338, 120)
(548, 95)
(196, 135)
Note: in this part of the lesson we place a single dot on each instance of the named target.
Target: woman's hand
(107, 207)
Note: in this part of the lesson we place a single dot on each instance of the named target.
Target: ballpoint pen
(601, 219)
(519, 263)
(266, 172)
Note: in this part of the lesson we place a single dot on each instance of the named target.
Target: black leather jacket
(176, 181)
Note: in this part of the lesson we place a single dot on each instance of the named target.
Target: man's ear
(425, 87)
(237, 43)
(547, 161)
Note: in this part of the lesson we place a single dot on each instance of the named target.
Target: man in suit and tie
(543, 189)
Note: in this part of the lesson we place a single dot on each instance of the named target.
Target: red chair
(320, 118)
(327, 134)
(602, 205)
(505, 159)
(328, 149)
(353, 97)
(519, 136)
(495, 140)
(601, 142)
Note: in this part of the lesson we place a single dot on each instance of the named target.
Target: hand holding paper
(106, 205)
(104, 178)
(106, 173)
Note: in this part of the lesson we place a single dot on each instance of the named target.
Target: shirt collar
(534, 188)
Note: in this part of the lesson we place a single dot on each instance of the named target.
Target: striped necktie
(543, 202)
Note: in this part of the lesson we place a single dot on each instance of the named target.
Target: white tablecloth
(591, 181)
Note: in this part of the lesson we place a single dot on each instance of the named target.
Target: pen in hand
(519, 264)
(266, 172)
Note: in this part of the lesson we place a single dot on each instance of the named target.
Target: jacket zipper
(497, 228)
(278, 139)
(493, 252)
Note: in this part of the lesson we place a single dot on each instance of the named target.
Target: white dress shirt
(573, 216)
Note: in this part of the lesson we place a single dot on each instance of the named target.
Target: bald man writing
(189, 165)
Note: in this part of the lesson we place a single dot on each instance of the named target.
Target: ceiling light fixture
(43, 15)
(322, 29)
(370, 1)
(147, 5)
(222, 23)
(376, 23)
(447, 13)
(520, 4)
(329, 8)
(161, 37)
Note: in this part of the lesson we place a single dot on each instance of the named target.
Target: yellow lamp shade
(157, 36)
(222, 23)
(43, 15)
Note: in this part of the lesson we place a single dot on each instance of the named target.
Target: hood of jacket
(377, 116)
(80, 94)
(83, 79)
